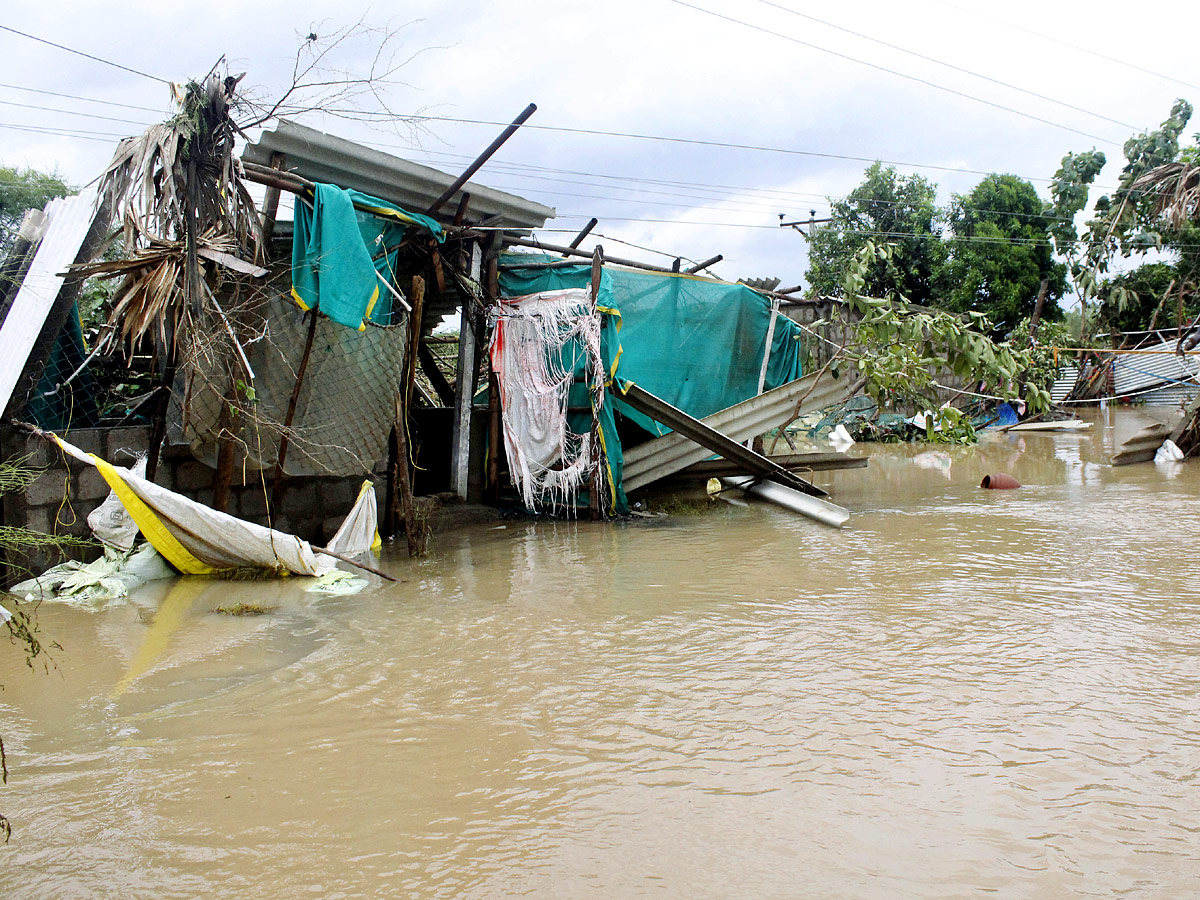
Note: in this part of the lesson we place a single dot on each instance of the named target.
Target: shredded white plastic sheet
(536, 344)
(98, 583)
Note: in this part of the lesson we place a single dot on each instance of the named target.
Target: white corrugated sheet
(1062, 386)
(69, 220)
(1134, 372)
(1175, 396)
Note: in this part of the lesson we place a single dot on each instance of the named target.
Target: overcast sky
(746, 72)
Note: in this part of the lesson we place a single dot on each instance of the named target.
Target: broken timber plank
(716, 442)
(670, 453)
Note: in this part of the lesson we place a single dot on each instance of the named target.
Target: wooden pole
(594, 490)
(277, 477)
(270, 209)
(464, 385)
(493, 448)
(481, 159)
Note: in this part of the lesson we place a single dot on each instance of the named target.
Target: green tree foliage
(899, 352)
(1144, 292)
(1000, 253)
(1125, 223)
(22, 189)
(886, 208)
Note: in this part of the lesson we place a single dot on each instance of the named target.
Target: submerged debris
(244, 609)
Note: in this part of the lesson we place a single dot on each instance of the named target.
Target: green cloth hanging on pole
(340, 253)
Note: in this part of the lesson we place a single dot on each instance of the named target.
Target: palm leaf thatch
(1174, 190)
(176, 187)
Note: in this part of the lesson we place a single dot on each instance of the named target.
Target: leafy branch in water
(899, 351)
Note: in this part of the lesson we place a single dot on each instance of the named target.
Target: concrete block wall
(59, 501)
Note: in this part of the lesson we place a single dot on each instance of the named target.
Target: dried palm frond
(176, 187)
(1175, 191)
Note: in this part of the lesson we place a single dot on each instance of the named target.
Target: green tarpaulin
(694, 342)
(339, 245)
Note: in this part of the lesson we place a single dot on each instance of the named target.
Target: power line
(766, 193)
(951, 66)
(17, 87)
(71, 112)
(107, 62)
(1087, 50)
(897, 73)
(66, 132)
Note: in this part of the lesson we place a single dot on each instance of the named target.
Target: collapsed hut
(264, 367)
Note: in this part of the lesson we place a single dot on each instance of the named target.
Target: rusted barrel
(999, 482)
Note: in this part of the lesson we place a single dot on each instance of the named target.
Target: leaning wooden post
(597, 392)
(464, 385)
(493, 452)
(399, 504)
(284, 438)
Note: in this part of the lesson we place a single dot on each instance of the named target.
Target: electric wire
(29, 90)
(933, 84)
(1087, 50)
(939, 62)
(107, 62)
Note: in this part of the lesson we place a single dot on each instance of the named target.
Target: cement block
(193, 476)
(40, 519)
(336, 495)
(49, 488)
(252, 503)
(300, 500)
(91, 486)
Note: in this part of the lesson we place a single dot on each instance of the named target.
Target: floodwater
(963, 691)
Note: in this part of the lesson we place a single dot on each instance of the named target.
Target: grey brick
(193, 476)
(50, 488)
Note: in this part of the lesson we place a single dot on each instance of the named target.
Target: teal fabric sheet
(694, 342)
(338, 248)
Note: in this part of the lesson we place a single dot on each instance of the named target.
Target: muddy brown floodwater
(964, 691)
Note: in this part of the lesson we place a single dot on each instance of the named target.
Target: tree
(1131, 220)
(22, 189)
(887, 207)
(1000, 253)
(1147, 304)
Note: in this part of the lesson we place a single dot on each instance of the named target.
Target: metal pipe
(482, 158)
(814, 507)
(587, 229)
(704, 265)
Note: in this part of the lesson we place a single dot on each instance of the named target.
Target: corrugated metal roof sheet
(323, 157)
(69, 220)
(1136, 371)
(1062, 386)
(1175, 396)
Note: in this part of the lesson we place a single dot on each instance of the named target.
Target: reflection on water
(964, 690)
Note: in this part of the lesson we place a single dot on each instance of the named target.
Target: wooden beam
(711, 439)
(813, 462)
(441, 387)
(464, 385)
(585, 254)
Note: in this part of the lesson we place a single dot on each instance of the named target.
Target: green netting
(55, 404)
(694, 342)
